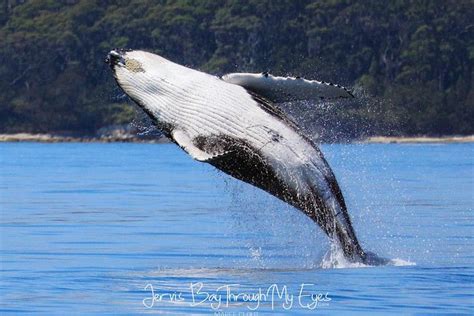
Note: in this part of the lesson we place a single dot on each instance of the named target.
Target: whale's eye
(133, 65)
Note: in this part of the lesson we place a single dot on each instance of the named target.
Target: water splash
(397, 262)
(256, 253)
(334, 259)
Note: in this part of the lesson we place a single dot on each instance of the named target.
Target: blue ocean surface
(124, 229)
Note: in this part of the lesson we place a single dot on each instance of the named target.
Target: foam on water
(397, 262)
(335, 259)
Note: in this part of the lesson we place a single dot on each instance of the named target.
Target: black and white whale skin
(234, 124)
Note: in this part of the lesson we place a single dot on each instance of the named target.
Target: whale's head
(143, 76)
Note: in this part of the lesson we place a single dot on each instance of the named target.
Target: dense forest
(410, 62)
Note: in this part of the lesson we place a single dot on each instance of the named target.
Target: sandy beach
(51, 138)
(419, 139)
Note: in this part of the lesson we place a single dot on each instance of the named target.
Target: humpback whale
(235, 124)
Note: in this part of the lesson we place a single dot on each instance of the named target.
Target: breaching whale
(234, 123)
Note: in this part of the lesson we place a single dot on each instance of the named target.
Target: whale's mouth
(115, 57)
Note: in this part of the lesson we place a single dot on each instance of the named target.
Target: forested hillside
(414, 57)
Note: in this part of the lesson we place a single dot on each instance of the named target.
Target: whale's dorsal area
(286, 89)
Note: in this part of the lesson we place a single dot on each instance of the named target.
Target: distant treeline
(414, 57)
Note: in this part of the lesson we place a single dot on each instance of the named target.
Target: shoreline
(128, 138)
(52, 138)
(417, 139)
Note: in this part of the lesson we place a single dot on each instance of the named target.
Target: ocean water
(142, 228)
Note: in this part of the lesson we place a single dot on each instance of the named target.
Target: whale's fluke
(286, 89)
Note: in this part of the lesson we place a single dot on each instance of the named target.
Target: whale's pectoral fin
(184, 141)
(194, 147)
(286, 89)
